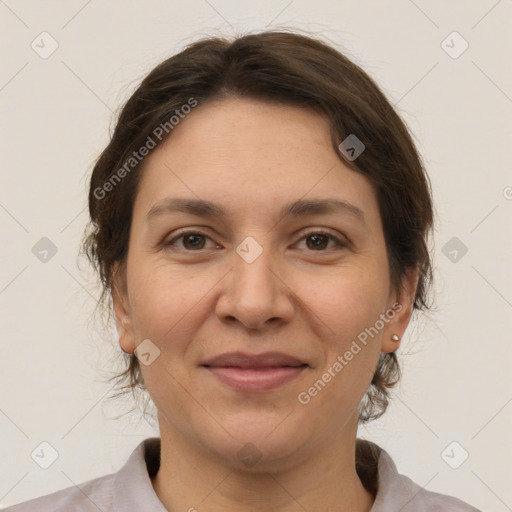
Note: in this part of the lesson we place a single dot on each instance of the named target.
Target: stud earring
(395, 337)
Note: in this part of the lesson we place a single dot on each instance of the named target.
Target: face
(267, 309)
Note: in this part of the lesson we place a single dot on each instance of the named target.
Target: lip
(255, 373)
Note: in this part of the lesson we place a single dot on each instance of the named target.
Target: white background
(56, 115)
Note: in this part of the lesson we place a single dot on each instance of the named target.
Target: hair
(287, 68)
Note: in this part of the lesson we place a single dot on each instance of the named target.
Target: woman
(260, 219)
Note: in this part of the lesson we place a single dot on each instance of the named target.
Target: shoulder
(398, 492)
(410, 497)
(89, 496)
(128, 489)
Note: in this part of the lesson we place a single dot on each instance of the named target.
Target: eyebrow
(298, 208)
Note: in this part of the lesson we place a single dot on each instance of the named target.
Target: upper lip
(243, 360)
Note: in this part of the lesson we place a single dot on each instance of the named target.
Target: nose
(255, 292)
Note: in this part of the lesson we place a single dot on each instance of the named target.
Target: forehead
(250, 154)
(249, 131)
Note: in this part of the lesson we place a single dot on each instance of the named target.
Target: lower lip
(252, 379)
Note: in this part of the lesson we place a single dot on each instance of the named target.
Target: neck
(190, 479)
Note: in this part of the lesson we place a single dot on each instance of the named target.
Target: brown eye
(191, 241)
(319, 241)
(194, 241)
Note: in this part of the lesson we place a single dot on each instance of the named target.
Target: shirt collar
(133, 490)
(132, 487)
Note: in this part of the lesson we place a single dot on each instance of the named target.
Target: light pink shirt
(130, 490)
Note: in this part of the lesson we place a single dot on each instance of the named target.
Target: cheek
(348, 309)
(350, 300)
(167, 312)
(165, 304)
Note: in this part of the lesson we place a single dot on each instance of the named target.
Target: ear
(401, 303)
(121, 304)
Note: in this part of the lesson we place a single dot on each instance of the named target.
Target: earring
(395, 337)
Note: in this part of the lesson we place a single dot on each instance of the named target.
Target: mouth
(255, 373)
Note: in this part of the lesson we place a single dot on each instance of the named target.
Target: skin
(252, 158)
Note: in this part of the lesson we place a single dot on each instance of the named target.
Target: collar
(132, 487)
(133, 490)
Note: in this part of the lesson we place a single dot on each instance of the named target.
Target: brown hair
(274, 67)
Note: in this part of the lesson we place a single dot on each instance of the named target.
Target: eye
(192, 240)
(319, 239)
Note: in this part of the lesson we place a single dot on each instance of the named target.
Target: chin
(259, 444)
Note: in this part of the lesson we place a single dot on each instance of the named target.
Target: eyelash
(184, 234)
